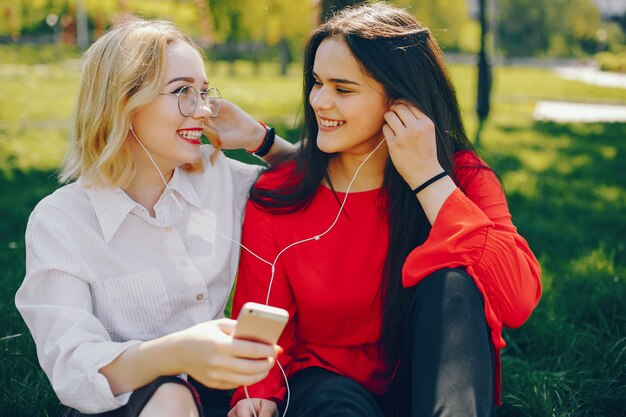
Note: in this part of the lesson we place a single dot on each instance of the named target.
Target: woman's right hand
(209, 354)
(263, 408)
(233, 128)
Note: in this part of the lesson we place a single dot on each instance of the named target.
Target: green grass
(566, 189)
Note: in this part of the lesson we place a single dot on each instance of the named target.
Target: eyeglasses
(188, 100)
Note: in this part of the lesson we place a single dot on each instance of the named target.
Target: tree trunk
(483, 99)
(285, 55)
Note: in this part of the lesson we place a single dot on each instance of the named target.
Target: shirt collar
(182, 184)
(111, 206)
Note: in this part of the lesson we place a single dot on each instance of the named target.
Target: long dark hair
(402, 55)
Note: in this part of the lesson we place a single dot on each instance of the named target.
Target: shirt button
(200, 297)
(168, 228)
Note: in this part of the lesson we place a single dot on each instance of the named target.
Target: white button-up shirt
(102, 274)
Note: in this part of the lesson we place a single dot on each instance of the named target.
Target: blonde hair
(122, 71)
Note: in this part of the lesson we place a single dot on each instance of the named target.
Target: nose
(203, 111)
(319, 98)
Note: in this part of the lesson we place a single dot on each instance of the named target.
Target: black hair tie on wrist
(430, 181)
(268, 142)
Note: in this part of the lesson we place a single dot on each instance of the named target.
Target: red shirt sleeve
(474, 230)
(253, 281)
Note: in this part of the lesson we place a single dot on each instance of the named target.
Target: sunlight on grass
(610, 194)
(40, 92)
(608, 152)
(522, 182)
(596, 261)
(25, 149)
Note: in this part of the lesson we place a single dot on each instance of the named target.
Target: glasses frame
(210, 93)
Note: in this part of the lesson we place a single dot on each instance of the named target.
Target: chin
(326, 145)
(193, 159)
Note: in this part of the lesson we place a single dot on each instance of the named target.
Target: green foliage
(183, 13)
(547, 27)
(612, 37)
(555, 28)
(448, 20)
(608, 61)
(27, 15)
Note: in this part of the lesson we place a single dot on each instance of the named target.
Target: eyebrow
(339, 80)
(187, 79)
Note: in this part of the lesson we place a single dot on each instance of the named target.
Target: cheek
(312, 95)
(371, 117)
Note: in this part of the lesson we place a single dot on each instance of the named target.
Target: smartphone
(260, 323)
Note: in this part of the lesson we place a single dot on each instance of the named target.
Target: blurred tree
(28, 14)
(205, 23)
(579, 21)
(448, 20)
(284, 23)
(184, 13)
(547, 27)
(330, 7)
(280, 23)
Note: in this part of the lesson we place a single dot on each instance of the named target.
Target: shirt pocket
(138, 305)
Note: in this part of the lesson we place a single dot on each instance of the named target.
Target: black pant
(446, 364)
(210, 402)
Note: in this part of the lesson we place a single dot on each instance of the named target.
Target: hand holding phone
(260, 323)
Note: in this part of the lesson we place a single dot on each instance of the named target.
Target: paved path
(592, 76)
(566, 112)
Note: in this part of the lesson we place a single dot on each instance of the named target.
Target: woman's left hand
(410, 136)
(233, 128)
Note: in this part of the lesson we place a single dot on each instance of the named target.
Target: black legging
(446, 365)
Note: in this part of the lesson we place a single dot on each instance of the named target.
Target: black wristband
(268, 142)
(430, 181)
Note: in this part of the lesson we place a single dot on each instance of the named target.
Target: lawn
(566, 190)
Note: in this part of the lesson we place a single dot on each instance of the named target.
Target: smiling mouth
(331, 123)
(191, 135)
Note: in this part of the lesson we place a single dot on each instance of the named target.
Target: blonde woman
(128, 268)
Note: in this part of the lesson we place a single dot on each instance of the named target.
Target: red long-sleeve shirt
(331, 286)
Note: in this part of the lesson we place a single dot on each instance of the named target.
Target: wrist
(267, 142)
(170, 351)
(257, 138)
(420, 177)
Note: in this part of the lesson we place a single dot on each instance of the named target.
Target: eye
(316, 82)
(184, 90)
(342, 90)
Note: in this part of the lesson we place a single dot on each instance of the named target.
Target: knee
(450, 288)
(171, 399)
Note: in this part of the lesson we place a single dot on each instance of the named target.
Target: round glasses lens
(214, 101)
(187, 99)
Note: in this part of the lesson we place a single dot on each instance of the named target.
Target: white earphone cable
(273, 265)
(170, 192)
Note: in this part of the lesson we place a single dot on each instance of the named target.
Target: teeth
(330, 123)
(190, 134)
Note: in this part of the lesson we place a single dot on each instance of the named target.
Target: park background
(564, 179)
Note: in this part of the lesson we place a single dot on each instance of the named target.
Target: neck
(343, 166)
(147, 185)
(147, 188)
